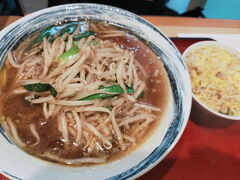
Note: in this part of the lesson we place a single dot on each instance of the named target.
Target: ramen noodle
(82, 93)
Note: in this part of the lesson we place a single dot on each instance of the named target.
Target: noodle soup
(82, 93)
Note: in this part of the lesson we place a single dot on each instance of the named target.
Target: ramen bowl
(226, 57)
(17, 164)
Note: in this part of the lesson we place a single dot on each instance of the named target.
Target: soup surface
(82, 93)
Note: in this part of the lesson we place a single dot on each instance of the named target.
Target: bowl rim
(217, 44)
(185, 118)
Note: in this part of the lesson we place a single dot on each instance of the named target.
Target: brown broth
(22, 114)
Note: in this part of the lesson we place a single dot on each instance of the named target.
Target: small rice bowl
(215, 76)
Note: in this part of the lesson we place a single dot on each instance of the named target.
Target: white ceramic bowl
(16, 164)
(203, 111)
